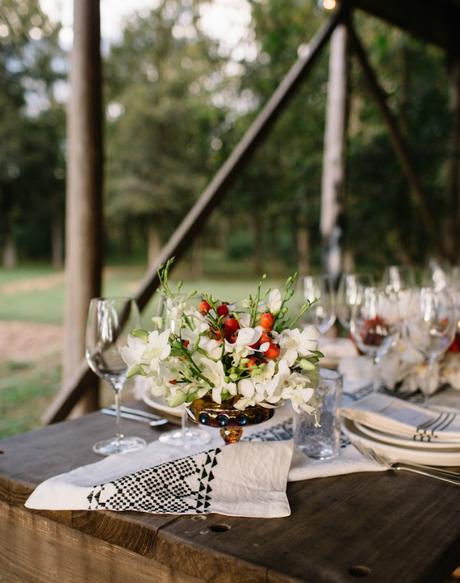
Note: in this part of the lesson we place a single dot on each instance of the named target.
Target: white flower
(212, 347)
(295, 343)
(274, 301)
(242, 346)
(157, 348)
(132, 353)
(214, 372)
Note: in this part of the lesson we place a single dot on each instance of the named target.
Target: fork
(422, 470)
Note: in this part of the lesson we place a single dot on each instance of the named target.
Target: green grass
(46, 306)
(25, 391)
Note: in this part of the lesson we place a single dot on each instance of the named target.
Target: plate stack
(404, 432)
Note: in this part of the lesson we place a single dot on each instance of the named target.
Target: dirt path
(28, 341)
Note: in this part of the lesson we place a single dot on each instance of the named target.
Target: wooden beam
(433, 21)
(196, 217)
(378, 93)
(333, 178)
(454, 163)
(84, 185)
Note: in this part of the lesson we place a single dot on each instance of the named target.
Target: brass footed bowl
(231, 421)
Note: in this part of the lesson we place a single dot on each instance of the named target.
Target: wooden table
(392, 528)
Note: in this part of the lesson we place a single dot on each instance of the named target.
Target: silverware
(138, 412)
(421, 469)
(134, 417)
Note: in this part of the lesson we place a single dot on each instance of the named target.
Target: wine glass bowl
(351, 287)
(110, 321)
(397, 278)
(319, 289)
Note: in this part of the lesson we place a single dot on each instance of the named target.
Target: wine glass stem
(117, 387)
(375, 373)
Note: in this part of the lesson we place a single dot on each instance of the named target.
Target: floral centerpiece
(241, 355)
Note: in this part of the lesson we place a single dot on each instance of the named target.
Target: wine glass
(351, 287)
(431, 324)
(320, 290)
(187, 435)
(375, 324)
(397, 278)
(110, 320)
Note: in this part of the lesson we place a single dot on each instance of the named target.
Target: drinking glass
(397, 278)
(431, 324)
(375, 324)
(351, 287)
(320, 289)
(187, 435)
(321, 441)
(110, 320)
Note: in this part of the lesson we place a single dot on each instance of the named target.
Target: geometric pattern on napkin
(182, 485)
(280, 432)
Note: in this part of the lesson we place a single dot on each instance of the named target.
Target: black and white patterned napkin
(244, 479)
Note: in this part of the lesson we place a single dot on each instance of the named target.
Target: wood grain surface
(387, 527)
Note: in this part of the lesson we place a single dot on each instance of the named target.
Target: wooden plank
(433, 21)
(34, 549)
(192, 224)
(333, 177)
(402, 527)
(84, 188)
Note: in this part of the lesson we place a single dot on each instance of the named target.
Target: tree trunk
(333, 179)
(454, 165)
(303, 250)
(57, 238)
(197, 258)
(154, 243)
(9, 254)
(257, 225)
(84, 188)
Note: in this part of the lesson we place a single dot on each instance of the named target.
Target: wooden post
(454, 163)
(84, 187)
(333, 179)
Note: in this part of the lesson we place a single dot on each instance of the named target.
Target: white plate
(402, 442)
(401, 454)
(160, 404)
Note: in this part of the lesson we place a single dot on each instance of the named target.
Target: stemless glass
(349, 294)
(397, 278)
(431, 324)
(187, 435)
(320, 289)
(375, 324)
(110, 320)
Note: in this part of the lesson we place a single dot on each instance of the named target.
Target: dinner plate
(403, 442)
(160, 404)
(395, 453)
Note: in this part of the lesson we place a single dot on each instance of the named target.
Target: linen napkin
(402, 418)
(245, 479)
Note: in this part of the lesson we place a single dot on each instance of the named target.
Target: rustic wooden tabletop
(384, 527)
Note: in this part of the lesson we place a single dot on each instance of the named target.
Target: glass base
(186, 437)
(123, 445)
(314, 453)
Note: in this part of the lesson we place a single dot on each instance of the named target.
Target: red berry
(222, 310)
(252, 361)
(204, 307)
(455, 346)
(230, 326)
(267, 320)
(186, 343)
(264, 338)
(272, 352)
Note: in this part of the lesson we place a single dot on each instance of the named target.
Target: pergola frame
(78, 384)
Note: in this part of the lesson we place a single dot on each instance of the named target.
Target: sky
(225, 20)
